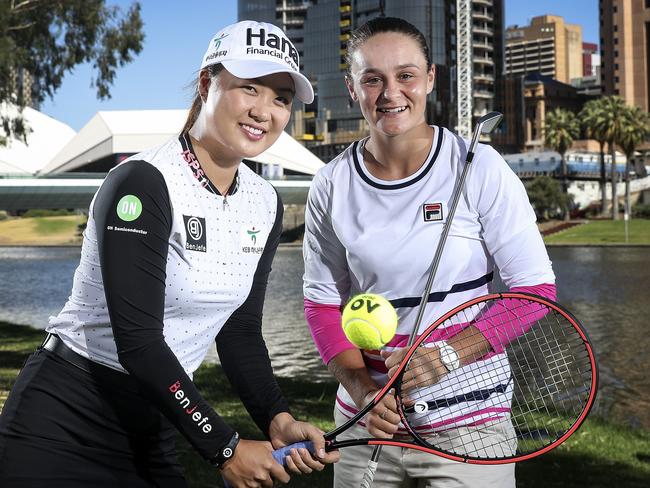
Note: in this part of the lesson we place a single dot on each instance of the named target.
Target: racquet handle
(280, 454)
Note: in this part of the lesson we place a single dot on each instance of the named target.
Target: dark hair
(385, 24)
(195, 108)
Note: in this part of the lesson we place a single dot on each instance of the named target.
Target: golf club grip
(280, 454)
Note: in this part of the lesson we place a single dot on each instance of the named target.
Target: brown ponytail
(197, 103)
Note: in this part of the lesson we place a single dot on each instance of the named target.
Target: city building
(548, 46)
(589, 83)
(625, 50)
(590, 59)
(320, 30)
(527, 99)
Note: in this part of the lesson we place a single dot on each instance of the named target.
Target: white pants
(410, 468)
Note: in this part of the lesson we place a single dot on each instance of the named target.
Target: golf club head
(485, 125)
(488, 122)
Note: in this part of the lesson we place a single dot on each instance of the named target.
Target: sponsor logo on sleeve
(200, 419)
(128, 209)
(195, 229)
(432, 212)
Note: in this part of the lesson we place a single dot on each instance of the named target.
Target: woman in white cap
(177, 252)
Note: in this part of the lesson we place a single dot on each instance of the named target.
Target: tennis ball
(369, 321)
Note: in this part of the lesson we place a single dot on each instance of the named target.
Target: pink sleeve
(325, 327)
(492, 324)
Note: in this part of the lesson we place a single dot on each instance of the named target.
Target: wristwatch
(448, 356)
(226, 452)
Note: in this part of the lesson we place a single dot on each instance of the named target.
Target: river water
(607, 288)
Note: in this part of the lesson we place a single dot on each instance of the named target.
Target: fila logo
(195, 228)
(432, 212)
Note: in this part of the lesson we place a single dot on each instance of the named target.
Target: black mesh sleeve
(241, 347)
(133, 218)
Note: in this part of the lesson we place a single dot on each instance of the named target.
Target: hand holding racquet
(536, 384)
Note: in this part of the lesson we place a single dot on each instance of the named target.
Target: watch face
(449, 357)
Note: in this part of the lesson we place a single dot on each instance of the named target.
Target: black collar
(193, 162)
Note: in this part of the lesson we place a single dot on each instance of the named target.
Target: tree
(560, 130)
(634, 132)
(45, 39)
(611, 124)
(547, 198)
(590, 117)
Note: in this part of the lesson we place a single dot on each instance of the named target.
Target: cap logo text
(272, 41)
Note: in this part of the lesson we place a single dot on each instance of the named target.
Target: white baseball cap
(250, 49)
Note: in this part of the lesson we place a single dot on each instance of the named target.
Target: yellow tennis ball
(369, 321)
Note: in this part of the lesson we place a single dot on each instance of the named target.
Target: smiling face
(243, 118)
(390, 79)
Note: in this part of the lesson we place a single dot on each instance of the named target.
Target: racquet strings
(505, 404)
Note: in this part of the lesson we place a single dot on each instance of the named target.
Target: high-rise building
(625, 50)
(590, 59)
(548, 46)
(320, 30)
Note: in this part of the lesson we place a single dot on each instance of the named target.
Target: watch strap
(226, 452)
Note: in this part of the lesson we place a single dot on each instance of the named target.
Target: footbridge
(76, 190)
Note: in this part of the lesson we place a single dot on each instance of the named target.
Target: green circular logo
(129, 208)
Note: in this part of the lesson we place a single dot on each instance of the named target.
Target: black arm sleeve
(133, 258)
(241, 347)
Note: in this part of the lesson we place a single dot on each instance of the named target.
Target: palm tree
(635, 131)
(611, 124)
(560, 130)
(589, 119)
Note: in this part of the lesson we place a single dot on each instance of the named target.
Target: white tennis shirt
(363, 234)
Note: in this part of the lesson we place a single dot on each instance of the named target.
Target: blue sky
(177, 34)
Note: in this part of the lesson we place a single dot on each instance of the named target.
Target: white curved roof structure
(47, 137)
(132, 131)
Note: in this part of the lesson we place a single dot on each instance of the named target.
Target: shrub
(641, 211)
(547, 198)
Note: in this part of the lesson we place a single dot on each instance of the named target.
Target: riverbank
(597, 233)
(598, 455)
(41, 231)
(64, 231)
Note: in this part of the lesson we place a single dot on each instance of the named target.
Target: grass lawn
(41, 231)
(605, 232)
(598, 455)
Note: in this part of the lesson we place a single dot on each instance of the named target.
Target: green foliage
(3, 215)
(635, 130)
(547, 198)
(612, 119)
(561, 129)
(590, 121)
(42, 40)
(641, 211)
(609, 120)
(39, 212)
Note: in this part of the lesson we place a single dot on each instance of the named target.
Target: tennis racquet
(537, 385)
